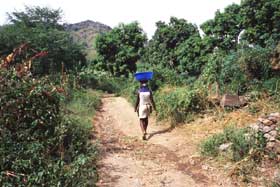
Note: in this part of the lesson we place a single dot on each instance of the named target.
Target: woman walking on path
(144, 105)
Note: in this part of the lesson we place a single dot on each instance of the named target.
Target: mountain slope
(85, 33)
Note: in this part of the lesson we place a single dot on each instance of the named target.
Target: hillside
(85, 32)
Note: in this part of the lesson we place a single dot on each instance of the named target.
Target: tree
(191, 55)
(41, 29)
(166, 40)
(37, 16)
(261, 21)
(225, 28)
(121, 48)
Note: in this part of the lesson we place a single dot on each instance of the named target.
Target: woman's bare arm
(137, 103)
(152, 100)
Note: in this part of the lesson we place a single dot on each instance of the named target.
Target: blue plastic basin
(141, 76)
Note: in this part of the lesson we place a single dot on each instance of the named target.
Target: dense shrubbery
(237, 72)
(101, 80)
(255, 62)
(179, 104)
(272, 86)
(40, 146)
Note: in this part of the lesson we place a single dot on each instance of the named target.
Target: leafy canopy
(166, 40)
(261, 21)
(225, 28)
(121, 48)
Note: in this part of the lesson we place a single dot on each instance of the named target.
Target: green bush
(231, 77)
(255, 62)
(130, 90)
(272, 85)
(210, 147)
(240, 143)
(179, 104)
(40, 147)
(100, 80)
(84, 101)
(237, 71)
(164, 76)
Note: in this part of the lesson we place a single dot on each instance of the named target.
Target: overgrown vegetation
(40, 144)
(45, 124)
(233, 53)
(179, 104)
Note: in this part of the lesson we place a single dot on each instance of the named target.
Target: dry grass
(216, 120)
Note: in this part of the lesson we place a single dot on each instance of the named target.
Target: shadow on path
(169, 129)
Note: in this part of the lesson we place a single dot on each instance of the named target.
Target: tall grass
(83, 106)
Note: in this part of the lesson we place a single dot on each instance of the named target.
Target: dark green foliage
(261, 21)
(40, 147)
(232, 78)
(41, 29)
(33, 16)
(237, 72)
(163, 76)
(272, 86)
(255, 62)
(162, 47)
(225, 28)
(212, 69)
(120, 49)
(223, 69)
(190, 56)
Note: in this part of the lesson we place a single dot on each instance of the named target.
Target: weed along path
(169, 157)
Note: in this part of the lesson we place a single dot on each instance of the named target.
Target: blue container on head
(143, 76)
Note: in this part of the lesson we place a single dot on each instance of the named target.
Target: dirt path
(168, 158)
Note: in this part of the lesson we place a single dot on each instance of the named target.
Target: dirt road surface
(170, 157)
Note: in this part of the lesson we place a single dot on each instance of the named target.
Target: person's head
(143, 83)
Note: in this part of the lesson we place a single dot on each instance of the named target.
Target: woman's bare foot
(144, 136)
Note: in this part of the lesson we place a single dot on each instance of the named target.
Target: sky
(113, 12)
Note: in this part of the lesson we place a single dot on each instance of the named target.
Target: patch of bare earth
(169, 158)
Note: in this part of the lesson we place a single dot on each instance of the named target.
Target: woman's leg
(142, 125)
(146, 122)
